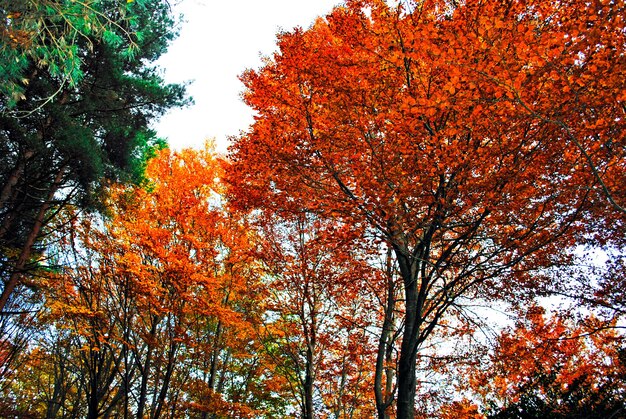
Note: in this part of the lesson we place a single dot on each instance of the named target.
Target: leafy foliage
(155, 306)
(545, 368)
(51, 34)
(442, 128)
(318, 307)
(62, 141)
(411, 164)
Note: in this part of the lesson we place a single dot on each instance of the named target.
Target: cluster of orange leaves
(541, 346)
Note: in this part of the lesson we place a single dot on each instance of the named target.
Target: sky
(219, 39)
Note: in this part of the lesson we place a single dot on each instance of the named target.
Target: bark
(93, 399)
(27, 248)
(342, 384)
(215, 355)
(407, 359)
(383, 401)
(58, 393)
(145, 371)
(13, 179)
(310, 335)
(308, 384)
(408, 350)
(169, 369)
(213, 367)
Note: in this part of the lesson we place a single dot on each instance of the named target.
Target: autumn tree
(62, 139)
(548, 367)
(46, 383)
(318, 312)
(442, 128)
(157, 303)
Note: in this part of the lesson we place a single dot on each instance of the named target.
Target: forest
(426, 218)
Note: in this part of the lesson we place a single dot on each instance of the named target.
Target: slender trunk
(310, 335)
(126, 376)
(215, 355)
(169, 369)
(126, 352)
(222, 381)
(76, 407)
(145, 372)
(390, 372)
(308, 384)
(13, 179)
(408, 349)
(355, 390)
(213, 367)
(156, 382)
(384, 399)
(93, 396)
(58, 393)
(22, 260)
(381, 405)
(344, 378)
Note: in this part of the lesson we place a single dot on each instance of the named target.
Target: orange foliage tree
(471, 138)
(161, 300)
(547, 367)
(318, 312)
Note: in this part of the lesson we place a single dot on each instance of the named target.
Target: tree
(316, 323)
(156, 304)
(545, 367)
(48, 34)
(441, 128)
(62, 141)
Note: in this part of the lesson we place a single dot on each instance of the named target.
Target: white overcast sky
(218, 40)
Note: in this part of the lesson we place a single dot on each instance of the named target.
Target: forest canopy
(425, 220)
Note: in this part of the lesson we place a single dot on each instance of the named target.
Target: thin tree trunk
(166, 380)
(385, 345)
(13, 179)
(310, 333)
(145, 371)
(215, 355)
(213, 367)
(308, 384)
(342, 383)
(58, 393)
(390, 372)
(93, 398)
(383, 401)
(25, 254)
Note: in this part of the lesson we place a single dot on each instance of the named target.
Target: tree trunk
(408, 349)
(93, 399)
(406, 385)
(22, 260)
(385, 343)
(308, 384)
(342, 383)
(58, 393)
(145, 371)
(13, 179)
(382, 400)
(215, 355)
(213, 367)
(169, 369)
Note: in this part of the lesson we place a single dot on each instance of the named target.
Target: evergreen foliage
(79, 91)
